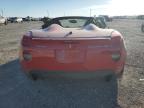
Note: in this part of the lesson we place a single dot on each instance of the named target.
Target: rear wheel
(109, 77)
(6, 23)
(32, 76)
(120, 75)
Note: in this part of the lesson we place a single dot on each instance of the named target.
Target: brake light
(116, 56)
(117, 40)
(118, 45)
(26, 41)
(27, 56)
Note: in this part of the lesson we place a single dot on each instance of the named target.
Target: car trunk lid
(66, 47)
(57, 32)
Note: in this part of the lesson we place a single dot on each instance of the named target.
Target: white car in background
(3, 20)
(18, 20)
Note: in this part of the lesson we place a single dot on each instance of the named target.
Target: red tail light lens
(27, 38)
(117, 40)
(27, 56)
(26, 42)
(116, 56)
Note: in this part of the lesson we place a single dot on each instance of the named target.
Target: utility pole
(64, 14)
(2, 12)
(48, 13)
(90, 12)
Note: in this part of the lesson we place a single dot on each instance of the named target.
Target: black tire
(120, 76)
(6, 23)
(109, 77)
(32, 76)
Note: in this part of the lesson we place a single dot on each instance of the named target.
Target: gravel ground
(17, 91)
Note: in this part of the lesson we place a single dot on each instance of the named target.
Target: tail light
(117, 44)
(116, 56)
(117, 40)
(27, 56)
(26, 41)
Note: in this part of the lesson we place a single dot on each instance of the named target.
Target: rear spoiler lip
(71, 38)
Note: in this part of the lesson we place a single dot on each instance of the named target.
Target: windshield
(75, 22)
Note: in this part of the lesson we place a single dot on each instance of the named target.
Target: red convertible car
(73, 45)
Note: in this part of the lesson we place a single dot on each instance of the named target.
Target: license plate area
(70, 56)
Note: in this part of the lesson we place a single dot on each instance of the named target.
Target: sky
(54, 8)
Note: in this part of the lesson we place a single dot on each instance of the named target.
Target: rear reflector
(27, 56)
(116, 56)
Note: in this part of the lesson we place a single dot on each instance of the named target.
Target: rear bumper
(43, 66)
(94, 62)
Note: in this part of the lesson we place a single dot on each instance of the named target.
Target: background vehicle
(106, 17)
(28, 18)
(15, 20)
(3, 20)
(73, 45)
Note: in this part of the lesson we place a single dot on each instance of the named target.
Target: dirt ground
(17, 91)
